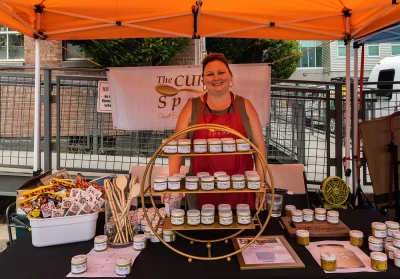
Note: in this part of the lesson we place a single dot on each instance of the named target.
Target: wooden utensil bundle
(120, 205)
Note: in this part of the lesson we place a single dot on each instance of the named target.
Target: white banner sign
(151, 98)
(103, 97)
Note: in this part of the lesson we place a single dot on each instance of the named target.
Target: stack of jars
(211, 145)
(206, 216)
(385, 237)
(309, 215)
(206, 182)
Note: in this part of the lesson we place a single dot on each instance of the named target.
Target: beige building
(329, 61)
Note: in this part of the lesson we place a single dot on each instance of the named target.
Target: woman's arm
(258, 141)
(175, 162)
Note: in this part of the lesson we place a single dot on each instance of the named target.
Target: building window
(342, 49)
(71, 56)
(396, 48)
(11, 44)
(373, 50)
(312, 58)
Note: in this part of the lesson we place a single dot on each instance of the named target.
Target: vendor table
(23, 260)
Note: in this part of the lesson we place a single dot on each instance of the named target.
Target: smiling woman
(220, 106)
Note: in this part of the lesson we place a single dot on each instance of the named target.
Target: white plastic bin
(54, 231)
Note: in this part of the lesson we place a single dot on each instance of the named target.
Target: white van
(384, 103)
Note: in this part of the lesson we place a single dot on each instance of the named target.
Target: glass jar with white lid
(184, 146)
(228, 145)
(244, 206)
(214, 145)
(253, 182)
(182, 177)
(223, 182)
(139, 242)
(332, 216)
(320, 214)
(160, 183)
(207, 216)
(192, 183)
(208, 206)
(238, 181)
(297, 216)
(177, 217)
(378, 261)
(375, 244)
(168, 235)
(392, 227)
(207, 183)
(193, 217)
(243, 216)
(308, 215)
(153, 237)
(224, 207)
(379, 229)
(225, 217)
(242, 145)
(171, 147)
(174, 183)
(123, 265)
(396, 239)
(200, 146)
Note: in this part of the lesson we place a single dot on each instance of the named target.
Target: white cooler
(54, 231)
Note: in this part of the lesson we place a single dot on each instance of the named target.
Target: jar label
(380, 234)
(154, 238)
(243, 147)
(244, 220)
(375, 247)
(160, 186)
(207, 185)
(123, 270)
(253, 185)
(333, 219)
(223, 185)
(193, 220)
(229, 147)
(78, 268)
(100, 246)
(174, 185)
(200, 148)
(170, 149)
(207, 220)
(177, 220)
(215, 148)
(297, 219)
(396, 242)
(320, 217)
(139, 245)
(238, 184)
(184, 149)
(169, 237)
(191, 185)
(225, 220)
(308, 218)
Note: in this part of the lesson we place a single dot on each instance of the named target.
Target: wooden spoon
(122, 181)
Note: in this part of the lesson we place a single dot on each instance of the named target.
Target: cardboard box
(30, 184)
(376, 137)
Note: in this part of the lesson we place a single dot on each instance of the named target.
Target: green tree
(259, 51)
(132, 52)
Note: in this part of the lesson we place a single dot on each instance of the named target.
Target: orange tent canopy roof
(290, 19)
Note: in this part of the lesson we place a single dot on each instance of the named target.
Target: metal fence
(306, 127)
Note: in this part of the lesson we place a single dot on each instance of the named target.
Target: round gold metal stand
(147, 189)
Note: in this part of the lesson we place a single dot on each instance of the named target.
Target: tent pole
(36, 135)
(348, 117)
(355, 121)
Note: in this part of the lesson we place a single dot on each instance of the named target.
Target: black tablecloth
(23, 260)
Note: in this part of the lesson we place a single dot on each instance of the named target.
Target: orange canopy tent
(289, 19)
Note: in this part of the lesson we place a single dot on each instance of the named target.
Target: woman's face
(217, 77)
